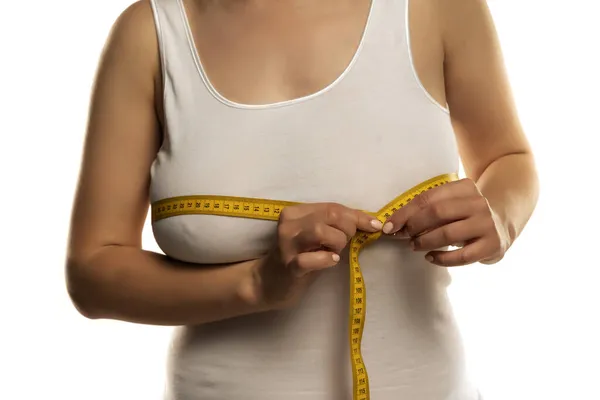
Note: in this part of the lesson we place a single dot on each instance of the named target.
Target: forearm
(129, 284)
(511, 187)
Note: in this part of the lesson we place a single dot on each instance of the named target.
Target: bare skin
(262, 52)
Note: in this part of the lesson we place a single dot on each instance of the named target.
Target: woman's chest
(360, 141)
(360, 154)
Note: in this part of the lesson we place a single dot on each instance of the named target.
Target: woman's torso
(339, 115)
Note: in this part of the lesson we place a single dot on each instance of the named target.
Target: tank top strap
(388, 17)
(177, 50)
(385, 37)
(386, 60)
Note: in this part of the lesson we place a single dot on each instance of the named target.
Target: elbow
(82, 288)
(84, 308)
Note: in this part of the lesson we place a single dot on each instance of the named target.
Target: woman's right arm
(108, 275)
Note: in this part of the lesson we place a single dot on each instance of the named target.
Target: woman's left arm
(488, 210)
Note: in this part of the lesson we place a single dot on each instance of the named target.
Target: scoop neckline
(218, 96)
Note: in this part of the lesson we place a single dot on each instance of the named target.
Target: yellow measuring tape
(244, 207)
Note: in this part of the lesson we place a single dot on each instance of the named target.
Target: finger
(294, 212)
(458, 189)
(471, 253)
(302, 210)
(320, 236)
(349, 220)
(304, 263)
(366, 222)
(439, 214)
(449, 235)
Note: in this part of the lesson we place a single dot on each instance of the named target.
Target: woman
(339, 105)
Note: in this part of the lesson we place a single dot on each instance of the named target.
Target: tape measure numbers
(244, 207)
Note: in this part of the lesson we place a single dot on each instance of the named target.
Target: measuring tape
(245, 207)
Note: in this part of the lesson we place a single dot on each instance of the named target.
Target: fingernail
(335, 257)
(387, 228)
(376, 224)
(429, 257)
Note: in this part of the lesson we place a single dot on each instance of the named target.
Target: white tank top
(361, 141)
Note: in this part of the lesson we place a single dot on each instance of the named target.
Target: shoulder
(465, 23)
(137, 19)
(132, 41)
(131, 51)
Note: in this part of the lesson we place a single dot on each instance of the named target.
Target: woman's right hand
(310, 238)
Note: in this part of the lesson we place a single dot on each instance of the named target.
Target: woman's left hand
(454, 214)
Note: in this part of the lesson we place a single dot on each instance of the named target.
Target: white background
(530, 323)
